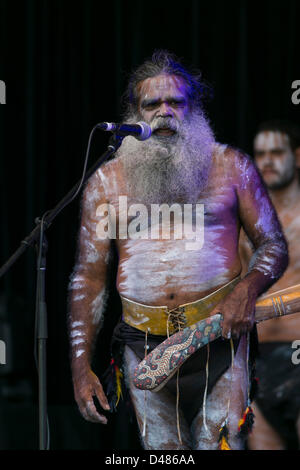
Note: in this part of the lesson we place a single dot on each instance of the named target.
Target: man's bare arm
(270, 258)
(246, 251)
(88, 292)
(261, 224)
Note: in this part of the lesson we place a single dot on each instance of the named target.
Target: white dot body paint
(98, 306)
(77, 281)
(77, 341)
(92, 255)
(76, 285)
(79, 352)
(265, 260)
(75, 324)
(76, 332)
(78, 297)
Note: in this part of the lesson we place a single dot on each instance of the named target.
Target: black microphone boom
(140, 130)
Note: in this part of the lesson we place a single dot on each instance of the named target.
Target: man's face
(163, 96)
(274, 159)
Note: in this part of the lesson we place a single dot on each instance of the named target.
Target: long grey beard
(169, 169)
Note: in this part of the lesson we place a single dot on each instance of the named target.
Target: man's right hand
(86, 386)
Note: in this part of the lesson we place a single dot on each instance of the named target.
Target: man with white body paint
(277, 408)
(180, 163)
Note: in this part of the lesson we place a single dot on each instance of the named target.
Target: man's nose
(165, 110)
(267, 158)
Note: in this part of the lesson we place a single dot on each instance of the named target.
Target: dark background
(65, 65)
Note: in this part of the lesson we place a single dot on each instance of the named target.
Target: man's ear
(297, 155)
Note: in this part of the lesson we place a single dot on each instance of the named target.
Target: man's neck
(286, 197)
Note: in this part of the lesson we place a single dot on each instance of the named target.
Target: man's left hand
(238, 310)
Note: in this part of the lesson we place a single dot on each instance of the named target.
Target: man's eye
(150, 107)
(177, 104)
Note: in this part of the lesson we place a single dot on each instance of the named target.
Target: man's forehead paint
(270, 139)
(153, 100)
(154, 86)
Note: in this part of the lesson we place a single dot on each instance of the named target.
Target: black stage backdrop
(65, 65)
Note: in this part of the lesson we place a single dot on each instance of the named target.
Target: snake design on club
(160, 365)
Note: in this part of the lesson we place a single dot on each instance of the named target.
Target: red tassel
(246, 422)
(114, 385)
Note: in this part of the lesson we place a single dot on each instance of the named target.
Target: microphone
(140, 130)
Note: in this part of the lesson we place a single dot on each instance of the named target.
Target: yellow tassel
(224, 444)
(223, 437)
(119, 376)
(243, 419)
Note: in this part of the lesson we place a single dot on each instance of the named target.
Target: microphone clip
(115, 141)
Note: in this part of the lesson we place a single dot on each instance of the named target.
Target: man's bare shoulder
(236, 163)
(107, 178)
(100, 183)
(232, 155)
(110, 169)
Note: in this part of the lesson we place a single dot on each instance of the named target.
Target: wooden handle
(278, 304)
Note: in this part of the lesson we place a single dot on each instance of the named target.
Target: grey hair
(165, 62)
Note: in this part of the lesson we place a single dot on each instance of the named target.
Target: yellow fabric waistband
(164, 321)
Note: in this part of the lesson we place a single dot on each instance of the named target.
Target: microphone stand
(37, 238)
